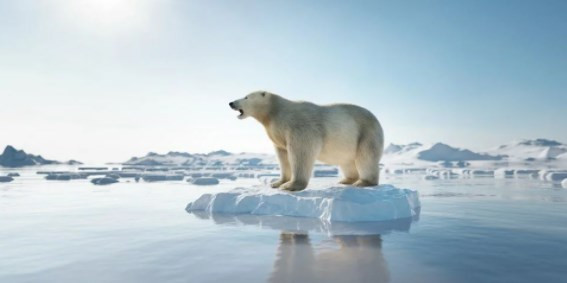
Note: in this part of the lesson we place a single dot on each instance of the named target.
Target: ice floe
(204, 181)
(339, 203)
(157, 177)
(555, 177)
(104, 181)
(6, 179)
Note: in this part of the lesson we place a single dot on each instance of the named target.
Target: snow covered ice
(337, 203)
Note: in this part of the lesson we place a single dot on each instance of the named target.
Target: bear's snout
(231, 104)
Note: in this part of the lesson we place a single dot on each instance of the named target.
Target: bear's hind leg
(350, 173)
(285, 168)
(367, 158)
(368, 172)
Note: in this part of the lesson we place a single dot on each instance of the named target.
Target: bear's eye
(246, 97)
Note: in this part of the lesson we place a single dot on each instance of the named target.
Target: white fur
(340, 134)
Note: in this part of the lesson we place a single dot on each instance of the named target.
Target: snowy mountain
(538, 149)
(171, 158)
(519, 152)
(12, 157)
(401, 148)
(443, 152)
(419, 153)
(215, 158)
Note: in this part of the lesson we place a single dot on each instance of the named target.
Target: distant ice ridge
(346, 204)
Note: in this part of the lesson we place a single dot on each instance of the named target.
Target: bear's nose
(231, 104)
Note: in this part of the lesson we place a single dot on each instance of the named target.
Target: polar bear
(339, 134)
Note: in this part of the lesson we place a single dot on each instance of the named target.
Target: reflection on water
(351, 253)
(303, 225)
(475, 230)
(346, 258)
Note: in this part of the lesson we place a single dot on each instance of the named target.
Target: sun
(107, 16)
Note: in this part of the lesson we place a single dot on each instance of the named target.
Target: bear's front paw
(364, 183)
(294, 186)
(277, 184)
(347, 181)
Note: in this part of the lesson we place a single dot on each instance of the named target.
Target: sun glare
(107, 16)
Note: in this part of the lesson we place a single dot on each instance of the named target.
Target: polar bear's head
(254, 104)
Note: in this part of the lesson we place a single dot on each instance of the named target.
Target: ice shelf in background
(334, 203)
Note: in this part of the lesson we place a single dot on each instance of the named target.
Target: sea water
(468, 230)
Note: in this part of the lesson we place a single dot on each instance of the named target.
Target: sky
(105, 80)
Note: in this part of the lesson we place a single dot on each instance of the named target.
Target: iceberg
(337, 203)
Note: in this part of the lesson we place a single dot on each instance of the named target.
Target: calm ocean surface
(469, 230)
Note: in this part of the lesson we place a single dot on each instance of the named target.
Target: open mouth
(235, 107)
(241, 115)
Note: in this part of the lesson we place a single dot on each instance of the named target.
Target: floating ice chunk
(526, 172)
(564, 184)
(542, 173)
(128, 174)
(92, 168)
(397, 171)
(348, 204)
(504, 173)
(65, 176)
(556, 177)
(6, 179)
(104, 181)
(334, 172)
(448, 174)
(430, 177)
(246, 175)
(415, 171)
(267, 175)
(204, 181)
(157, 178)
(229, 176)
(482, 173)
